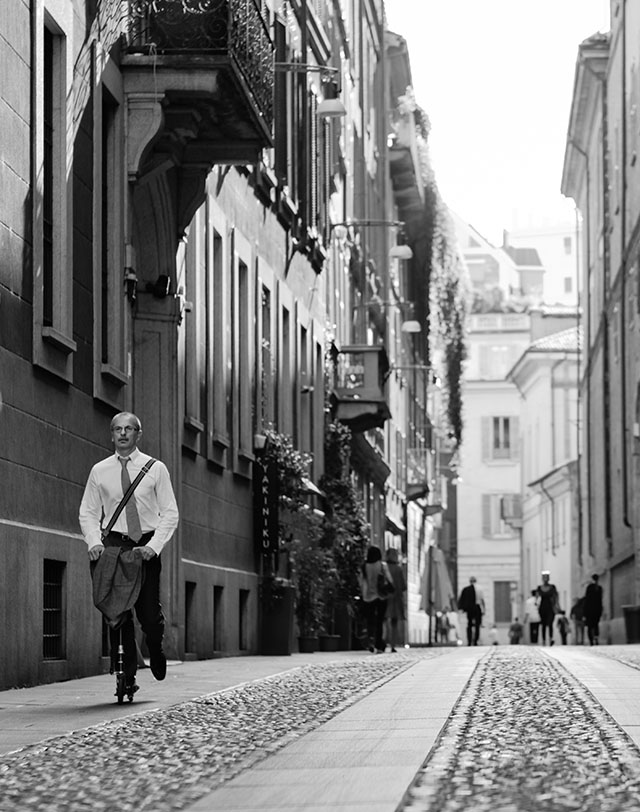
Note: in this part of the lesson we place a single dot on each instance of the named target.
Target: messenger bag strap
(126, 497)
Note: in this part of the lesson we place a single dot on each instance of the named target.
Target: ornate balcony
(199, 82)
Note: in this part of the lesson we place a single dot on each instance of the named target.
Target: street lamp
(330, 106)
(399, 251)
(408, 326)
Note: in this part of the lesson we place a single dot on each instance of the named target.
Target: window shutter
(280, 111)
(515, 438)
(486, 515)
(313, 158)
(485, 430)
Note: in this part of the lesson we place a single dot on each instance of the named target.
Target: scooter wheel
(120, 688)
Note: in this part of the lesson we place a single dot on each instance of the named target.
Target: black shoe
(158, 663)
(131, 688)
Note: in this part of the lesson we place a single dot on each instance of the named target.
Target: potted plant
(312, 568)
(277, 591)
(346, 532)
(328, 640)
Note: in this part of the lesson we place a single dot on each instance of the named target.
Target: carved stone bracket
(145, 121)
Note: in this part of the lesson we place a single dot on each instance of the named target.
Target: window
(53, 343)
(190, 614)
(217, 618)
(502, 601)
(219, 403)
(109, 262)
(243, 619)
(244, 343)
(192, 266)
(568, 284)
(493, 525)
(53, 610)
(567, 245)
(500, 439)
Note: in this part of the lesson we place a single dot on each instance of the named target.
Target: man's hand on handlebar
(95, 552)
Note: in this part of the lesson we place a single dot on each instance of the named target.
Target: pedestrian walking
(376, 585)
(548, 606)
(593, 609)
(564, 626)
(395, 612)
(472, 603)
(516, 631)
(532, 616)
(577, 616)
(144, 526)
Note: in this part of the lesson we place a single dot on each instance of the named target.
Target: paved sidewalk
(31, 715)
(333, 732)
(364, 758)
(614, 685)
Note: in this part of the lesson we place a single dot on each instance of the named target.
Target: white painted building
(489, 470)
(507, 318)
(558, 246)
(546, 376)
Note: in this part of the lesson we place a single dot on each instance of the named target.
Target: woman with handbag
(395, 602)
(376, 586)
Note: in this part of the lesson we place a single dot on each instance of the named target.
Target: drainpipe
(623, 297)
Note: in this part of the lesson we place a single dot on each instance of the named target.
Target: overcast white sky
(496, 78)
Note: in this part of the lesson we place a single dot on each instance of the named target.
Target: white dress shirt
(153, 496)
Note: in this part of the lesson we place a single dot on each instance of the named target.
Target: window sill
(58, 340)
(114, 375)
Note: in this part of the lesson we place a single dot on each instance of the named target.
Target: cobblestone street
(439, 730)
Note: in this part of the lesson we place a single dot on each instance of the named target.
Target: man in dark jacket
(472, 603)
(593, 609)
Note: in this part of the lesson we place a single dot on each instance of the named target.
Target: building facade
(546, 376)
(185, 235)
(600, 174)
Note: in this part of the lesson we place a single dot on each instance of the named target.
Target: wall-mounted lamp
(399, 251)
(330, 106)
(408, 326)
(401, 367)
(259, 442)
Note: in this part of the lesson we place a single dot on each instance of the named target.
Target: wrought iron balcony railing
(234, 30)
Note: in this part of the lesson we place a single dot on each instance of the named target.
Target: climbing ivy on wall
(445, 284)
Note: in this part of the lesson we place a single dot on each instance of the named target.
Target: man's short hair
(133, 416)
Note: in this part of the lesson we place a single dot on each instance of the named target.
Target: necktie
(131, 511)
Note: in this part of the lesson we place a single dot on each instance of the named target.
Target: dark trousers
(593, 630)
(148, 611)
(546, 622)
(474, 621)
(374, 612)
(533, 632)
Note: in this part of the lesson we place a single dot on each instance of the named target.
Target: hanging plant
(292, 468)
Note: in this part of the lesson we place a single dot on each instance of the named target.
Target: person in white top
(146, 525)
(532, 616)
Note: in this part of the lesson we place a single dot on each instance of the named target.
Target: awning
(394, 526)
(436, 580)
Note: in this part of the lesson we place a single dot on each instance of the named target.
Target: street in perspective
(451, 728)
(319, 406)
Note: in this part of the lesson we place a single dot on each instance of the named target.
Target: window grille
(53, 610)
